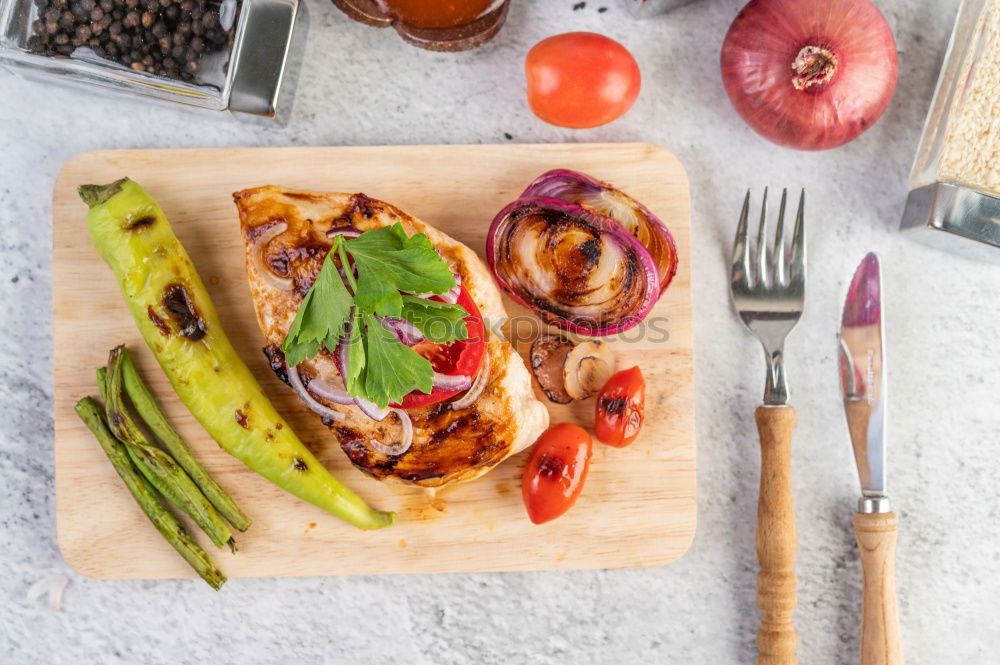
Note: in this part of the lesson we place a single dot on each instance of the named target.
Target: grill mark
(160, 324)
(276, 360)
(145, 220)
(178, 303)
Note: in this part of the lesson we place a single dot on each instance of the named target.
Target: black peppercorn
(161, 37)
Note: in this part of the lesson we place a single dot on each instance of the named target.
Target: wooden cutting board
(638, 506)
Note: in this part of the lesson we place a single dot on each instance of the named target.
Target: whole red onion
(809, 74)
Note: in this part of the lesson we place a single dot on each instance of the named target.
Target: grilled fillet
(449, 445)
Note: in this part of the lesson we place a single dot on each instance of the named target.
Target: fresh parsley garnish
(321, 318)
(390, 266)
(392, 369)
(389, 262)
(439, 322)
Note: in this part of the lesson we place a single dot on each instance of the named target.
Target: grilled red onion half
(604, 199)
(579, 270)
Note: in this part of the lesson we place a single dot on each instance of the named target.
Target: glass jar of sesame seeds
(955, 181)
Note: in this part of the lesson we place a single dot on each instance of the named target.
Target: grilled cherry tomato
(556, 472)
(620, 408)
(460, 357)
(580, 79)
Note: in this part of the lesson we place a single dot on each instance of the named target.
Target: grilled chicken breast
(449, 445)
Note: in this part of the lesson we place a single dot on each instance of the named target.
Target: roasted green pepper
(179, 323)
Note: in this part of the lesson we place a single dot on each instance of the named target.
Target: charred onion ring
(579, 270)
(604, 199)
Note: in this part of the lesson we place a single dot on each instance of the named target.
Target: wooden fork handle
(880, 639)
(776, 538)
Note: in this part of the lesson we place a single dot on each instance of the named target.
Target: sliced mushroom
(548, 356)
(587, 368)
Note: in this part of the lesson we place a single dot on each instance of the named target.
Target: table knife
(863, 382)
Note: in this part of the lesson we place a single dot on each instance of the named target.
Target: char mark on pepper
(178, 302)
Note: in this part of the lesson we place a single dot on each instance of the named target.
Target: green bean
(142, 491)
(145, 405)
(159, 468)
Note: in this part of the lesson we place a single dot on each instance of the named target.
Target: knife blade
(863, 380)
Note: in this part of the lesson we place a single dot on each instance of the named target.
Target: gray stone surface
(363, 86)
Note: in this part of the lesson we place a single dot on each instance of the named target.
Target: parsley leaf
(392, 370)
(439, 322)
(388, 261)
(321, 317)
(355, 357)
(380, 368)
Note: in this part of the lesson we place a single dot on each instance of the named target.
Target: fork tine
(780, 275)
(797, 270)
(763, 272)
(741, 248)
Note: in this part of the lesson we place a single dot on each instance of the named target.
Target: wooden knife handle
(880, 639)
(776, 538)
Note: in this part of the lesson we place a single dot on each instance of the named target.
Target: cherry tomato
(556, 472)
(580, 79)
(621, 405)
(460, 357)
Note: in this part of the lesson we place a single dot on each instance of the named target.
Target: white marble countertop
(364, 86)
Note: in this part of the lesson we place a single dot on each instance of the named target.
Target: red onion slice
(579, 270)
(604, 199)
(482, 380)
(346, 231)
(451, 297)
(371, 409)
(275, 281)
(406, 332)
(452, 382)
(405, 438)
(324, 390)
(323, 411)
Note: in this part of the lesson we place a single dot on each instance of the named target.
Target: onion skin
(768, 38)
(604, 199)
(638, 274)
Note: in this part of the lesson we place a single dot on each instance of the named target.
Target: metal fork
(768, 294)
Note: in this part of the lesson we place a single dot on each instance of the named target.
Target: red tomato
(461, 357)
(580, 79)
(620, 408)
(556, 472)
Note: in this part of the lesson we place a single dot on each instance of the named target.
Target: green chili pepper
(179, 323)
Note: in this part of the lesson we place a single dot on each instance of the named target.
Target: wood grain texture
(881, 643)
(776, 538)
(638, 508)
